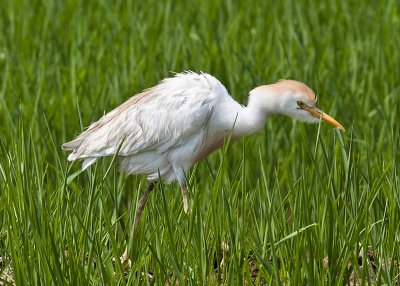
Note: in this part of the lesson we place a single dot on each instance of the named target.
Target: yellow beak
(324, 117)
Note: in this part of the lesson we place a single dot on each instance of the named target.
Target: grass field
(296, 204)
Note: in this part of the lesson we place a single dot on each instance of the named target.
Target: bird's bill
(325, 117)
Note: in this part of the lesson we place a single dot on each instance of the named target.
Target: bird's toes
(125, 260)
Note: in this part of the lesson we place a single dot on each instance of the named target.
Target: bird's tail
(71, 145)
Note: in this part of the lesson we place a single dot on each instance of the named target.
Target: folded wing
(158, 119)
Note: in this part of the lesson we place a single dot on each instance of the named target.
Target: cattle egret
(166, 129)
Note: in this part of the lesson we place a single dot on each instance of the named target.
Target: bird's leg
(138, 214)
(185, 199)
(142, 204)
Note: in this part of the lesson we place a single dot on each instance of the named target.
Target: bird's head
(291, 98)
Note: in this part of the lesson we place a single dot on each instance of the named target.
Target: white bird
(166, 129)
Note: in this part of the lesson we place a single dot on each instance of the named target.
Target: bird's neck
(250, 119)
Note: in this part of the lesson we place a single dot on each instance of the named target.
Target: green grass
(293, 193)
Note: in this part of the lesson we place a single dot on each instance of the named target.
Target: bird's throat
(249, 120)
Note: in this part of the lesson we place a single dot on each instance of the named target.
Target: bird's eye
(300, 104)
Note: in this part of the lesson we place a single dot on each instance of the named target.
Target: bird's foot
(225, 249)
(125, 260)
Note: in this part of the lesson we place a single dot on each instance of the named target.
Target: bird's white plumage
(164, 130)
(157, 131)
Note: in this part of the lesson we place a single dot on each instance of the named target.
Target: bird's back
(157, 132)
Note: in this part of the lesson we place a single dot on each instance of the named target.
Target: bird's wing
(158, 119)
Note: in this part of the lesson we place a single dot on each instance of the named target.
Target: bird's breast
(211, 144)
